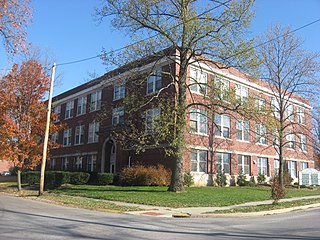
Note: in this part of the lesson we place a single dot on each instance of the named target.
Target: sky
(68, 31)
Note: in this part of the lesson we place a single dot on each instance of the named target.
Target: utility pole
(46, 135)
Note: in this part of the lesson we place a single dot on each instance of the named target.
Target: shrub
(79, 178)
(140, 175)
(188, 179)
(287, 179)
(261, 178)
(277, 192)
(54, 179)
(30, 177)
(105, 178)
(242, 179)
(221, 178)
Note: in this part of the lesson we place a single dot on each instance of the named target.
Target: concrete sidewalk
(208, 211)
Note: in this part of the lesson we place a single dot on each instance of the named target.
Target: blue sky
(68, 31)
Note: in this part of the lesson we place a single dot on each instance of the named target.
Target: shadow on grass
(112, 189)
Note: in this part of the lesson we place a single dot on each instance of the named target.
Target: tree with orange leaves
(15, 15)
(23, 114)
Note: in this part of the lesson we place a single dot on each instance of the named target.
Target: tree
(15, 15)
(212, 32)
(291, 74)
(23, 114)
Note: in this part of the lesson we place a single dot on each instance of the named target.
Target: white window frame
(117, 116)
(55, 137)
(198, 81)
(91, 162)
(199, 118)
(243, 130)
(64, 163)
(260, 104)
(81, 105)
(222, 87)
(290, 112)
(223, 160)
(303, 142)
(263, 166)
(303, 165)
(275, 106)
(276, 166)
(95, 100)
(69, 109)
(261, 134)
(154, 81)
(119, 91)
(78, 162)
(199, 160)
(301, 116)
(52, 163)
(67, 135)
(93, 137)
(292, 168)
(222, 123)
(242, 93)
(291, 141)
(57, 111)
(79, 135)
(151, 116)
(242, 165)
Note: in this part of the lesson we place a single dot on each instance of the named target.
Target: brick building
(224, 140)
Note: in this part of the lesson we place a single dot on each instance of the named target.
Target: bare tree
(291, 74)
(211, 32)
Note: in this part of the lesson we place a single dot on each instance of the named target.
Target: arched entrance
(109, 156)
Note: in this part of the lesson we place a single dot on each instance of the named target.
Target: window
(93, 136)
(291, 143)
(198, 121)
(95, 101)
(260, 104)
(303, 165)
(223, 162)
(81, 107)
(275, 106)
(198, 81)
(261, 134)
(222, 88)
(222, 123)
(64, 163)
(199, 160)
(242, 93)
(119, 91)
(54, 137)
(67, 133)
(275, 137)
(263, 165)
(57, 111)
(276, 166)
(69, 109)
(303, 142)
(289, 112)
(79, 138)
(91, 163)
(292, 169)
(52, 163)
(243, 128)
(154, 82)
(244, 164)
(151, 116)
(78, 161)
(117, 116)
(301, 116)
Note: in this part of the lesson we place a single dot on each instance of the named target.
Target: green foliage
(221, 178)
(242, 179)
(54, 179)
(105, 178)
(140, 175)
(188, 179)
(277, 191)
(79, 178)
(261, 178)
(30, 177)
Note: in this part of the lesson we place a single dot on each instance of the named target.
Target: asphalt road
(27, 219)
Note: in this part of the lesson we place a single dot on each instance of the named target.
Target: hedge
(105, 178)
(79, 178)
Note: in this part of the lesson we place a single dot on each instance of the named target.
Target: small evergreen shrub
(188, 179)
(30, 177)
(242, 179)
(105, 178)
(221, 178)
(261, 178)
(79, 178)
(54, 179)
(140, 175)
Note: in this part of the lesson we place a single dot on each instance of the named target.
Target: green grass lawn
(192, 197)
